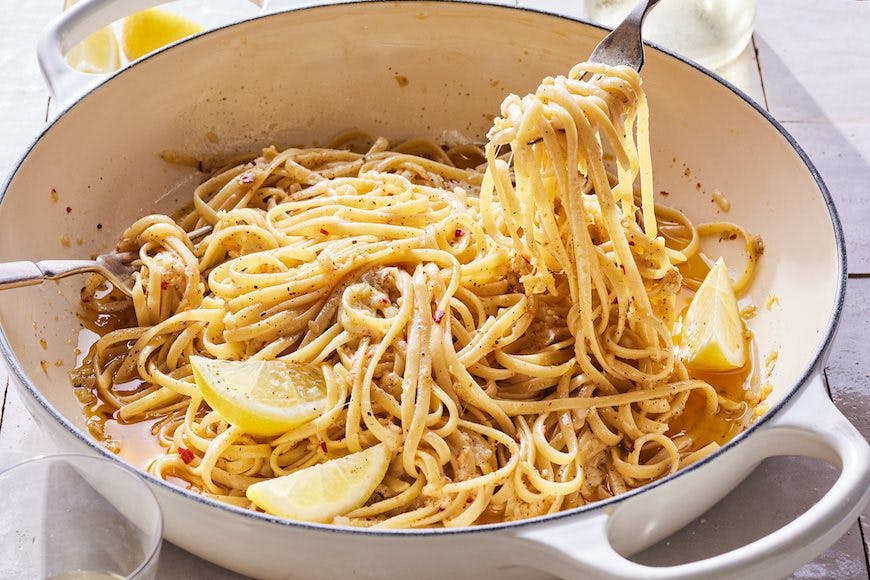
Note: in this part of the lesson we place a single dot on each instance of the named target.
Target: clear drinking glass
(710, 32)
(79, 517)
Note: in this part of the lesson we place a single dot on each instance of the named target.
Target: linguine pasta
(503, 319)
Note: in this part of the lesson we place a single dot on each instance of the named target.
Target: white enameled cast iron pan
(303, 75)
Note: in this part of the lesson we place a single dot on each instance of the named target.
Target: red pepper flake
(630, 243)
(185, 454)
(439, 316)
(459, 233)
(323, 446)
(68, 209)
(732, 237)
(324, 231)
(384, 301)
(469, 499)
(164, 284)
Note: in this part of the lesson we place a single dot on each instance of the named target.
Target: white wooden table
(808, 66)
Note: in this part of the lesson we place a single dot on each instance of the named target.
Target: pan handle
(71, 27)
(811, 426)
(68, 29)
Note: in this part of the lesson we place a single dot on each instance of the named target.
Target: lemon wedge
(712, 335)
(323, 491)
(148, 30)
(98, 53)
(261, 397)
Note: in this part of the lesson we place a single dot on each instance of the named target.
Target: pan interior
(400, 70)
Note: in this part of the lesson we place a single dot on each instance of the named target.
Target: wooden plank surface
(848, 372)
(22, 90)
(809, 71)
(813, 64)
(813, 61)
(23, 97)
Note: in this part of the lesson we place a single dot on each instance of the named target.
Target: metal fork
(624, 46)
(116, 267)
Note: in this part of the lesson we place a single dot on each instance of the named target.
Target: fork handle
(18, 274)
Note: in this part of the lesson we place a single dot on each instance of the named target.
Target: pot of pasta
(417, 292)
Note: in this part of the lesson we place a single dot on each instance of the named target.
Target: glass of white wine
(711, 32)
(70, 516)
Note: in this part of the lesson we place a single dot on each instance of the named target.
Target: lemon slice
(323, 491)
(148, 30)
(261, 397)
(712, 336)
